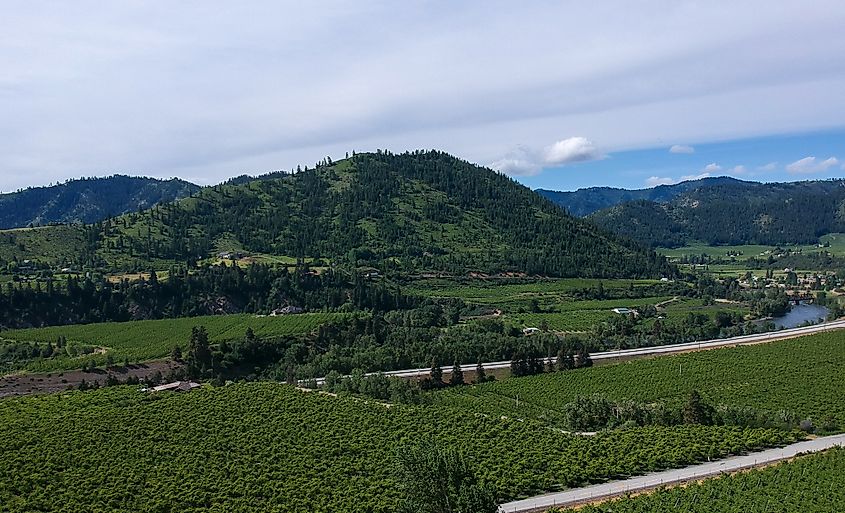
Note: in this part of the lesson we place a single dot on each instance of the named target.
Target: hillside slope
(411, 212)
(87, 200)
(734, 213)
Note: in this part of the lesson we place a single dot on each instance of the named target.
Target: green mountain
(733, 212)
(87, 200)
(584, 202)
(422, 211)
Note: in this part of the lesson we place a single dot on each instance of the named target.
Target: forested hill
(87, 200)
(411, 212)
(584, 202)
(734, 212)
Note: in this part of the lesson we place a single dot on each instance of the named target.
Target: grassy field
(744, 252)
(479, 292)
(677, 311)
(573, 321)
(554, 296)
(148, 340)
(579, 315)
(258, 447)
(801, 375)
(48, 244)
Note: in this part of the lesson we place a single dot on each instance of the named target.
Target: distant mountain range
(412, 212)
(88, 200)
(422, 208)
(584, 202)
(714, 211)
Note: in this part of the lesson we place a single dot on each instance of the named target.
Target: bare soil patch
(45, 383)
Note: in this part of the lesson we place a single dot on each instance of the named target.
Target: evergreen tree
(457, 376)
(583, 358)
(696, 411)
(480, 374)
(436, 373)
(199, 352)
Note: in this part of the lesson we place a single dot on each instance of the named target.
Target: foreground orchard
(802, 376)
(810, 484)
(267, 447)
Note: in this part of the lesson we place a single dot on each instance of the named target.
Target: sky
(558, 95)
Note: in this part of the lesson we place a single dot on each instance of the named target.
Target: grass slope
(148, 340)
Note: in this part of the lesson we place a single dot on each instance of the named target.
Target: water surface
(800, 314)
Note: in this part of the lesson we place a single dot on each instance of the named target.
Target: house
(177, 386)
(530, 331)
(229, 255)
(625, 311)
(288, 310)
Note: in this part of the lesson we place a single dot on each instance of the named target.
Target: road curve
(647, 351)
(577, 496)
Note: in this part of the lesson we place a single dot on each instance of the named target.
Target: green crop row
(803, 376)
(268, 447)
(810, 484)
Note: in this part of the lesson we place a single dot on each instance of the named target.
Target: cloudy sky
(627, 93)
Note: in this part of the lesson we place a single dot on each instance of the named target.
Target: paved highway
(646, 351)
(603, 491)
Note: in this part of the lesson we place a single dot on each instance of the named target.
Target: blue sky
(560, 94)
(791, 157)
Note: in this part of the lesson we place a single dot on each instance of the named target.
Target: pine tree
(457, 376)
(696, 411)
(199, 352)
(436, 373)
(480, 374)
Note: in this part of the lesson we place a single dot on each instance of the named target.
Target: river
(800, 314)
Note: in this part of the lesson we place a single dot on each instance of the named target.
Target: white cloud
(518, 162)
(207, 91)
(681, 148)
(771, 166)
(654, 181)
(573, 149)
(739, 170)
(811, 165)
(525, 161)
(687, 178)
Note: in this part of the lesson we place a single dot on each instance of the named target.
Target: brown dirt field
(30, 383)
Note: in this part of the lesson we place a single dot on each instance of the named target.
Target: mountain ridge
(88, 200)
(733, 213)
(413, 211)
(587, 200)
